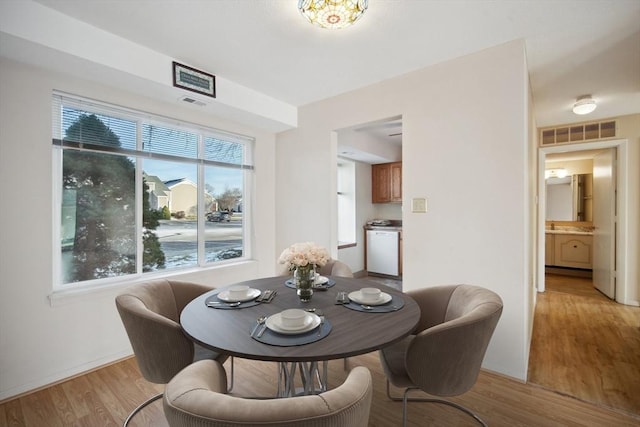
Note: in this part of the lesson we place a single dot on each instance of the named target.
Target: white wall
(41, 343)
(465, 127)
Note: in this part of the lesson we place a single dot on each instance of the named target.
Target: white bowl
(370, 294)
(238, 291)
(293, 317)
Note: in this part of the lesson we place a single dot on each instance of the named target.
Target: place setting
(291, 327)
(371, 300)
(239, 296)
(320, 283)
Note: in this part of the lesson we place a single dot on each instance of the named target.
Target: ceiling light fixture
(333, 14)
(584, 105)
(555, 173)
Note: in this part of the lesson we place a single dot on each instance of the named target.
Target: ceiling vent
(578, 133)
(192, 101)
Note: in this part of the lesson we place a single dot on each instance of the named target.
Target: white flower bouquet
(303, 255)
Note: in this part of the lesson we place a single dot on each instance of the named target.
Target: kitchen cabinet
(386, 183)
(569, 250)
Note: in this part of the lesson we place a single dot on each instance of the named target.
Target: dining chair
(150, 313)
(196, 397)
(444, 355)
(335, 268)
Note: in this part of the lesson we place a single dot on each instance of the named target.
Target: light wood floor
(585, 345)
(104, 398)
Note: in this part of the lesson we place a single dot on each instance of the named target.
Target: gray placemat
(395, 304)
(291, 284)
(273, 338)
(227, 305)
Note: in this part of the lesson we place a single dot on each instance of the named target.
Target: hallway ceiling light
(584, 105)
(333, 14)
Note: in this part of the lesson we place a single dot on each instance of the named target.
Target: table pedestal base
(314, 379)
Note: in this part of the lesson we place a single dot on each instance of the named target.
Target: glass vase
(304, 278)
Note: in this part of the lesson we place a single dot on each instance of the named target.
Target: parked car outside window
(218, 216)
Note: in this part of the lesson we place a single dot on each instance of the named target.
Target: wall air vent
(578, 133)
(193, 101)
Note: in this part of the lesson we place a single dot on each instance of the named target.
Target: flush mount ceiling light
(584, 105)
(333, 14)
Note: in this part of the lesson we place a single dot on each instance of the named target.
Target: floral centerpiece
(302, 259)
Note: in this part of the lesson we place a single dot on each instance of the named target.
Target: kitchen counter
(383, 227)
(393, 225)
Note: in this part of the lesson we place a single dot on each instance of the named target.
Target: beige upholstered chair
(335, 268)
(196, 397)
(331, 268)
(444, 356)
(150, 313)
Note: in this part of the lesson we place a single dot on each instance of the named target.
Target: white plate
(321, 280)
(382, 299)
(274, 322)
(251, 294)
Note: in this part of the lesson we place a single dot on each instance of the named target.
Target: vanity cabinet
(549, 246)
(386, 183)
(569, 250)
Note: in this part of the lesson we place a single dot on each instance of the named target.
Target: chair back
(335, 268)
(196, 397)
(150, 313)
(445, 357)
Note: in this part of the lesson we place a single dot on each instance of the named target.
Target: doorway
(619, 266)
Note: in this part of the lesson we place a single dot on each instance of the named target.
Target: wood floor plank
(38, 410)
(586, 345)
(499, 400)
(11, 414)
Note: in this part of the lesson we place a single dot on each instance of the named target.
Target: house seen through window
(140, 194)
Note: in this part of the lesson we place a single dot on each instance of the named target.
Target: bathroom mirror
(570, 198)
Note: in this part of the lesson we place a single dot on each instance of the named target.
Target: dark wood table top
(353, 332)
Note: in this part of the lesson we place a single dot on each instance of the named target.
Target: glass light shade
(333, 14)
(555, 173)
(584, 105)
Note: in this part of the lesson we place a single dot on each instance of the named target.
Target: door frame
(622, 213)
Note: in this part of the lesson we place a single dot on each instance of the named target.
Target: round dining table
(353, 329)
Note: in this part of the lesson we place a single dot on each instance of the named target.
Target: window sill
(61, 297)
(345, 245)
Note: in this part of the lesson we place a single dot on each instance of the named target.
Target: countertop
(393, 225)
(383, 227)
(577, 232)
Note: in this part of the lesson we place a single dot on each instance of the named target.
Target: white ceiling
(574, 47)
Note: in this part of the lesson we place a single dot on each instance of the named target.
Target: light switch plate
(419, 205)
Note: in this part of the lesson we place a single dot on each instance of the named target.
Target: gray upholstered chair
(444, 355)
(196, 397)
(150, 313)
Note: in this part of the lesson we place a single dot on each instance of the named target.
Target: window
(346, 202)
(138, 194)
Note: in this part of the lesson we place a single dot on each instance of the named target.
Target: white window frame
(346, 193)
(92, 106)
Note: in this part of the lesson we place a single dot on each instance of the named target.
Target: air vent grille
(578, 133)
(193, 101)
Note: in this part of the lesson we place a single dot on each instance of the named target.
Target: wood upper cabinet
(386, 183)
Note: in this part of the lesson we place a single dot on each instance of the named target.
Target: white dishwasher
(383, 252)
